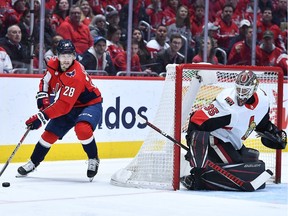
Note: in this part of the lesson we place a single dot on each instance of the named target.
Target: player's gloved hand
(273, 138)
(42, 100)
(37, 120)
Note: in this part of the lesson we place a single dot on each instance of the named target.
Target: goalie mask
(66, 54)
(246, 85)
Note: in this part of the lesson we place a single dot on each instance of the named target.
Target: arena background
(119, 136)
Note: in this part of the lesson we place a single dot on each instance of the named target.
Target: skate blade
(20, 176)
(91, 179)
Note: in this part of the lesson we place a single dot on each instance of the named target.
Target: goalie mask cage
(188, 87)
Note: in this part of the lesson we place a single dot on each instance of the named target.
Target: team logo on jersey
(251, 128)
(229, 101)
(70, 73)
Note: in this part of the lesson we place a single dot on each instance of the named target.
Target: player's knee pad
(48, 138)
(83, 130)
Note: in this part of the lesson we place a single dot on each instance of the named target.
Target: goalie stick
(14, 152)
(243, 185)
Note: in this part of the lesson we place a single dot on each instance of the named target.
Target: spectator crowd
(163, 32)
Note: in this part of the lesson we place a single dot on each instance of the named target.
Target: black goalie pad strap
(274, 141)
(198, 142)
(210, 179)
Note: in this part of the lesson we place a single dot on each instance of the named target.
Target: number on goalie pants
(209, 179)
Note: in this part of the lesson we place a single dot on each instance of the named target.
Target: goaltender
(216, 132)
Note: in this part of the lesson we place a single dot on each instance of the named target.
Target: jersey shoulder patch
(229, 101)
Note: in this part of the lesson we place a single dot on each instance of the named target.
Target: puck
(5, 184)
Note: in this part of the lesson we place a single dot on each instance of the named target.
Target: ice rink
(62, 189)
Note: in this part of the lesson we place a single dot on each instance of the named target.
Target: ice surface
(62, 189)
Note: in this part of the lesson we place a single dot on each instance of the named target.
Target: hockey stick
(15, 150)
(243, 185)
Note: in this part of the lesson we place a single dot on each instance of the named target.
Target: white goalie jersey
(243, 119)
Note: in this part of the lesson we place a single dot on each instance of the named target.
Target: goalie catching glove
(37, 120)
(273, 137)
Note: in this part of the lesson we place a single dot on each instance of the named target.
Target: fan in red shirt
(266, 24)
(268, 52)
(73, 29)
(113, 41)
(282, 61)
(211, 58)
(155, 13)
(197, 21)
(120, 61)
(240, 53)
(170, 12)
(227, 28)
(78, 104)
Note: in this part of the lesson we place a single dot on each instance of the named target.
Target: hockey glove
(42, 100)
(37, 120)
(273, 137)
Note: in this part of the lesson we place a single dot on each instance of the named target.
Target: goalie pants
(221, 152)
(218, 151)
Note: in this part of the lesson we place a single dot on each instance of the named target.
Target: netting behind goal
(189, 87)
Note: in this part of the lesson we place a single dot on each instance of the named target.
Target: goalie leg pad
(198, 142)
(209, 179)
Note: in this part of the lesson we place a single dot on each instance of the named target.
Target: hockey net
(188, 87)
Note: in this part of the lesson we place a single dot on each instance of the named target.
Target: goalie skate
(92, 170)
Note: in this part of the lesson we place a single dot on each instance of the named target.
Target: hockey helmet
(246, 85)
(65, 47)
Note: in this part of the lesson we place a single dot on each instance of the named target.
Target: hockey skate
(188, 182)
(92, 170)
(25, 169)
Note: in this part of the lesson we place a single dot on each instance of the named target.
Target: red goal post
(188, 87)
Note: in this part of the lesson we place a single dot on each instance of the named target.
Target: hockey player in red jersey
(78, 104)
(216, 133)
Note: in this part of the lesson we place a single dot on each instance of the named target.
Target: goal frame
(178, 108)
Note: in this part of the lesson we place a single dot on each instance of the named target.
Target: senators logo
(251, 128)
(70, 73)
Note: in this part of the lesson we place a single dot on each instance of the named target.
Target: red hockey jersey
(73, 88)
